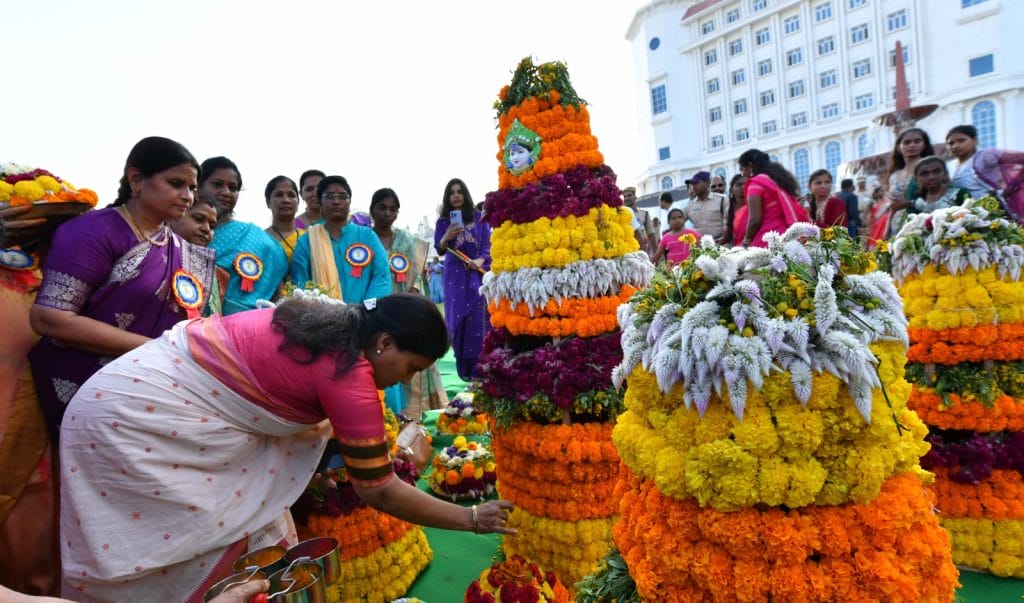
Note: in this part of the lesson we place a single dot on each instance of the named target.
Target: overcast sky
(388, 94)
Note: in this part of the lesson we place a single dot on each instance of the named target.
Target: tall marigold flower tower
(770, 455)
(960, 274)
(563, 257)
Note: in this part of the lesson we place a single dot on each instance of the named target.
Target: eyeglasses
(335, 197)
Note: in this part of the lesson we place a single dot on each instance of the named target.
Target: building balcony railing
(864, 111)
(799, 127)
(772, 134)
(828, 120)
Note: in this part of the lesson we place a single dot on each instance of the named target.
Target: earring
(379, 351)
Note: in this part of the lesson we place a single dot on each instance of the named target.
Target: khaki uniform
(708, 216)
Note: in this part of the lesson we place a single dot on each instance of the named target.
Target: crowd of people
(161, 377)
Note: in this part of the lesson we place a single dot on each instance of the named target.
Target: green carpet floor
(459, 557)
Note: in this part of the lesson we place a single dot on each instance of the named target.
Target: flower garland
(985, 382)
(585, 326)
(463, 471)
(359, 533)
(535, 287)
(560, 371)
(987, 545)
(564, 472)
(577, 307)
(573, 192)
(971, 456)
(571, 549)
(22, 185)
(809, 302)
(385, 574)
(462, 417)
(604, 232)
(1003, 414)
(891, 549)
(999, 497)
(781, 453)
(516, 580)
(977, 234)
(936, 300)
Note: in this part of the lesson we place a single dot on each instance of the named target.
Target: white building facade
(803, 80)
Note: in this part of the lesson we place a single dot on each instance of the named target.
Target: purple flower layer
(518, 368)
(573, 192)
(334, 502)
(971, 456)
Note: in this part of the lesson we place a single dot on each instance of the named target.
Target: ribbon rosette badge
(400, 266)
(16, 259)
(250, 268)
(188, 291)
(358, 256)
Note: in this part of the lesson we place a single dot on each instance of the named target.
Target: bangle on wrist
(476, 527)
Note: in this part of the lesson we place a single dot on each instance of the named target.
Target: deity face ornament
(522, 148)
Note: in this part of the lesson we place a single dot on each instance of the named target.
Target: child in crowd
(935, 191)
(671, 244)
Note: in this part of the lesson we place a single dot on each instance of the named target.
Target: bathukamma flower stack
(563, 257)
(960, 274)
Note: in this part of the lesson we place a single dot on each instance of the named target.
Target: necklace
(138, 233)
(282, 237)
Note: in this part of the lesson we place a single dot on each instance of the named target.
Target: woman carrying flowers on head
(188, 451)
(771, 193)
(257, 263)
(117, 277)
(464, 308)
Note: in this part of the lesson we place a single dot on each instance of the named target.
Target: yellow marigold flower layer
(938, 300)
(780, 453)
(384, 575)
(984, 544)
(571, 549)
(604, 233)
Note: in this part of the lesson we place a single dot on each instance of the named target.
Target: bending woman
(116, 277)
(188, 451)
(771, 193)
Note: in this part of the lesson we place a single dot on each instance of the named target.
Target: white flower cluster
(311, 295)
(707, 357)
(595, 278)
(935, 238)
(472, 456)
(10, 169)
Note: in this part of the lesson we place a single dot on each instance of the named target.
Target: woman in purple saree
(117, 277)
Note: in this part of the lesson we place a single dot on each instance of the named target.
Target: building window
(715, 114)
(967, 3)
(764, 67)
(906, 56)
(774, 158)
(859, 33)
(865, 146)
(823, 12)
(802, 167)
(861, 68)
(711, 57)
(654, 43)
(798, 119)
(910, 90)
(742, 134)
(830, 110)
(717, 141)
(833, 157)
(826, 45)
(762, 36)
(759, 5)
(713, 85)
(857, 3)
(791, 24)
(827, 79)
(733, 15)
(738, 77)
(796, 89)
(864, 101)
(735, 47)
(707, 27)
(664, 153)
(767, 98)
(981, 65)
(666, 183)
(769, 127)
(983, 117)
(659, 103)
(721, 173)
(739, 107)
(794, 57)
(896, 20)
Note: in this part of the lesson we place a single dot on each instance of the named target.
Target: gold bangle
(476, 528)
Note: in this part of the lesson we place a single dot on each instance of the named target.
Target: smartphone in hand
(456, 218)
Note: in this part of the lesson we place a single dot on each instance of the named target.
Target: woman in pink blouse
(186, 452)
(771, 193)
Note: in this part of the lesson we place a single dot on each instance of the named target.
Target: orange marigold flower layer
(586, 326)
(566, 140)
(998, 497)
(1005, 414)
(574, 307)
(967, 344)
(891, 549)
(359, 533)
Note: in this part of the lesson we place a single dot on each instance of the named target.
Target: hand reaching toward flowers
(491, 517)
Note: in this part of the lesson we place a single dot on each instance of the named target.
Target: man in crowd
(718, 184)
(847, 196)
(646, 235)
(707, 210)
